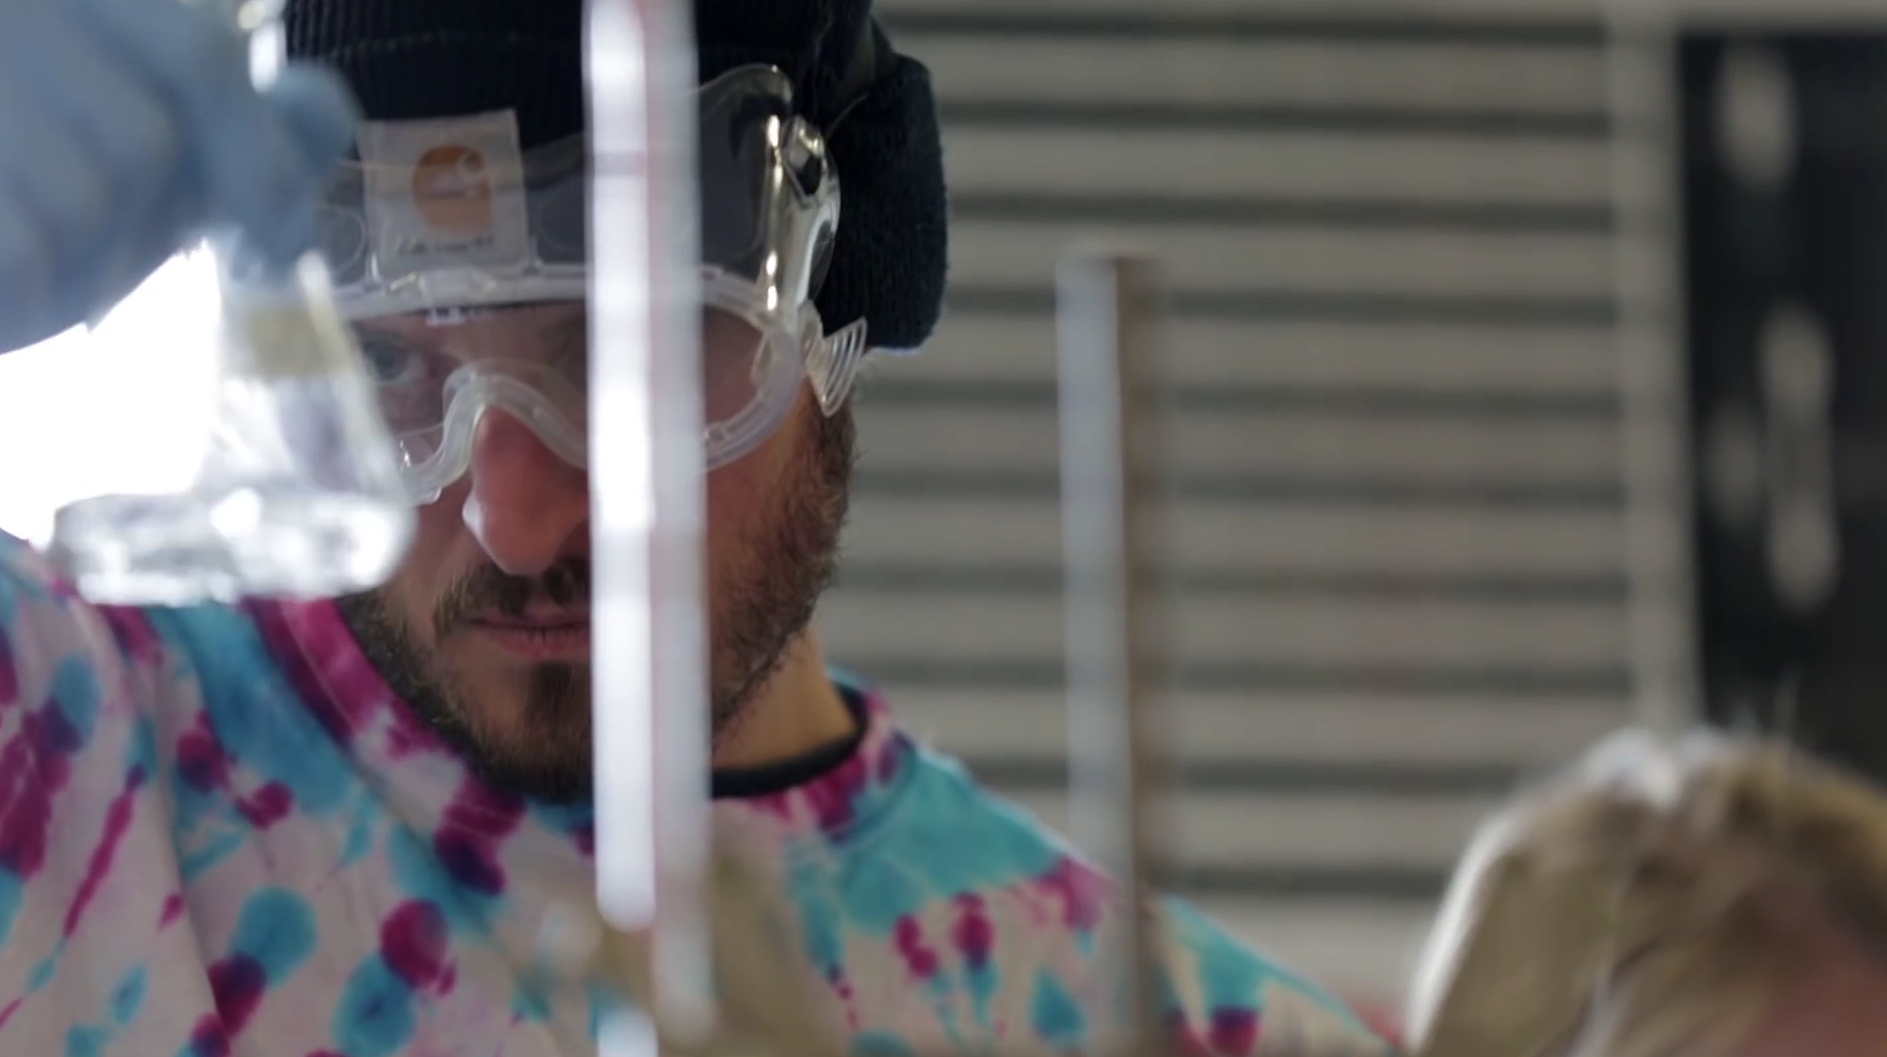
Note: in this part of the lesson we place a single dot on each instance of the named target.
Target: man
(339, 828)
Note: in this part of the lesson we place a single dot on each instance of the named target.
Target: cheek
(736, 495)
(441, 547)
(439, 533)
(739, 497)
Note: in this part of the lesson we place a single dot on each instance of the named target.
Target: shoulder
(74, 677)
(1048, 906)
(47, 628)
(1231, 999)
(102, 669)
(83, 851)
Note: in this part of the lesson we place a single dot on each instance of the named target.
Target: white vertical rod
(1106, 316)
(1648, 284)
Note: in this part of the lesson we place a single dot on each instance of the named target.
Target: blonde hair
(1669, 895)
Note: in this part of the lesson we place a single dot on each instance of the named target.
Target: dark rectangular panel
(1784, 177)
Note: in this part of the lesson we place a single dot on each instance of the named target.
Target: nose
(526, 506)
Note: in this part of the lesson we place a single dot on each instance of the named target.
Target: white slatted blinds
(1396, 446)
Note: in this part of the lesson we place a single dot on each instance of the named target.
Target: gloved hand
(129, 127)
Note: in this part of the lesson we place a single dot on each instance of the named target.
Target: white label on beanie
(445, 194)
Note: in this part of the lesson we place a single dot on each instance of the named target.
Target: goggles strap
(832, 361)
(860, 73)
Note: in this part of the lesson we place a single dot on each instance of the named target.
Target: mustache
(565, 585)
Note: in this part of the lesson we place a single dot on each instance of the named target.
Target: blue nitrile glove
(129, 127)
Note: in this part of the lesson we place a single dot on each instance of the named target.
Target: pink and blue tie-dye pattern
(220, 833)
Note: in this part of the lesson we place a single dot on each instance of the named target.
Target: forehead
(556, 321)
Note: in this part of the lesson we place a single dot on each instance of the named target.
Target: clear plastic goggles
(437, 376)
(462, 262)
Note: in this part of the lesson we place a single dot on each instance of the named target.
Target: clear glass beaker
(297, 491)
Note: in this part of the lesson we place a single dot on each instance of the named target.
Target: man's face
(486, 634)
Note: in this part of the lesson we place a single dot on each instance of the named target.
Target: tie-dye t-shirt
(220, 833)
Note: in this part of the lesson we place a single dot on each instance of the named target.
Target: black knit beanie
(408, 59)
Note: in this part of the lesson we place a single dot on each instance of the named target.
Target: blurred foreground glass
(648, 504)
(295, 489)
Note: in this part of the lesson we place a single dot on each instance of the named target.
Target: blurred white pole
(650, 660)
(1648, 285)
(1110, 459)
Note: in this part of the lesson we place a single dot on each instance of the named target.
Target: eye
(391, 362)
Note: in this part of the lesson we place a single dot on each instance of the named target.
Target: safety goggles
(462, 262)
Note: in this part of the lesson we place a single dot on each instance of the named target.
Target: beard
(758, 608)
